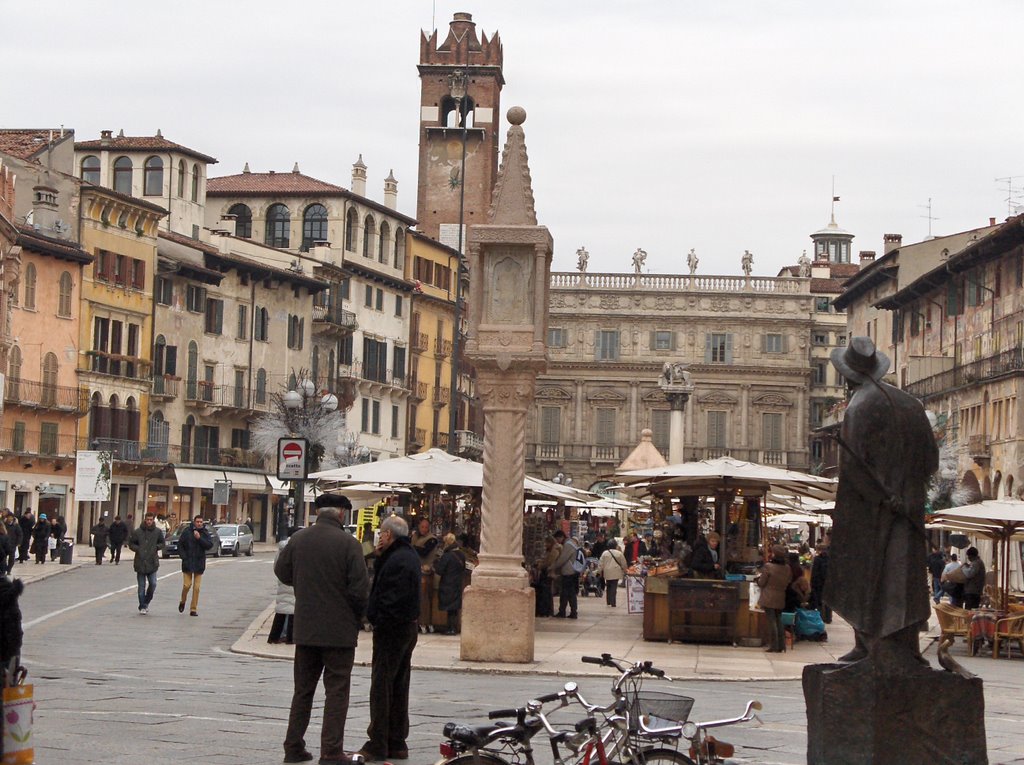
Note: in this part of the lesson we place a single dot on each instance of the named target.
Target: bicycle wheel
(468, 758)
(663, 757)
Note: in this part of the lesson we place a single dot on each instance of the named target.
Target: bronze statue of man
(887, 455)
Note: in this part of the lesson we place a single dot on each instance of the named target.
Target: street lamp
(302, 404)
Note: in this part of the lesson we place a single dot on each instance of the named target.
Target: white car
(235, 538)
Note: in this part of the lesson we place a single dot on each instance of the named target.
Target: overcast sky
(665, 124)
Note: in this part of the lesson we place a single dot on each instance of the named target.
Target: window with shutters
(398, 305)
(345, 350)
(607, 345)
(239, 438)
(375, 360)
(375, 417)
(164, 290)
(296, 330)
(192, 374)
(50, 373)
(773, 343)
(261, 324)
(954, 299)
(604, 433)
(395, 422)
(380, 300)
(976, 287)
(261, 386)
(718, 349)
(48, 438)
(242, 328)
(364, 424)
(716, 430)
(368, 302)
(771, 431)
(195, 299)
(663, 340)
(238, 397)
(65, 293)
(556, 337)
(550, 432)
(18, 437)
(398, 365)
(819, 373)
(661, 427)
(30, 287)
(214, 323)
(346, 286)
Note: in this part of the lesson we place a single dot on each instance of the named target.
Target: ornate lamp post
(302, 406)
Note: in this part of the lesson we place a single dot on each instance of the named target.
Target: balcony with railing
(442, 396)
(18, 440)
(165, 387)
(36, 395)
(442, 347)
(417, 437)
(419, 341)
(118, 365)
(979, 447)
(419, 390)
(469, 444)
(376, 375)
(442, 441)
(679, 283)
(607, 453)
(973, 373)
(207, 394)
(333, 318)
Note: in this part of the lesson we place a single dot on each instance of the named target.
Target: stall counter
(710, 610)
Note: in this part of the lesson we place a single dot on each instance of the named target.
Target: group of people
(785, 588)
(109, 537)
(326, 567)
(962, 581)
(24, 535)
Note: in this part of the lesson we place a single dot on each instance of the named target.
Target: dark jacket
(936, 563)
(774, 580)
(10, 619)
(395, 598)
(99, 535)
(15, 533)
(450, 567)
(192, 550)
(118, 532)
(27, 522)
(819, 575)
(40, 533)
(974, 570)
(324, 563)
(702, 561)
(634, 548)
(146, 543)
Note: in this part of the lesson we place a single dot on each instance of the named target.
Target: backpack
(579, 562)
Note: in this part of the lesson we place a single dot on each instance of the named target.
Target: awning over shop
(246, 481)
(195, 478)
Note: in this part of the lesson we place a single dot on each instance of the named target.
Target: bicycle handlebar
(496, 713)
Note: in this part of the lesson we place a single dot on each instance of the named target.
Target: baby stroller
(591, 582)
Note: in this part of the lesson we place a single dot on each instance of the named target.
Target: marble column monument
(509, 268)
(676, 385)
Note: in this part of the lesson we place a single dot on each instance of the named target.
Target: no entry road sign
(291, 459)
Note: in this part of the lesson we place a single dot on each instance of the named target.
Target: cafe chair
(992, 596)
(953, 622)
(1009, 630)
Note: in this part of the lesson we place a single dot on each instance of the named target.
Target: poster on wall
(93, 471)
(634, 594)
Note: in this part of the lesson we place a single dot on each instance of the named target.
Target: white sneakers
(143, 610)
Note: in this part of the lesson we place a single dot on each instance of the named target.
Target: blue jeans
(936, 589)
(147, 588)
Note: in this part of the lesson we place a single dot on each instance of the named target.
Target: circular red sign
(292, 451)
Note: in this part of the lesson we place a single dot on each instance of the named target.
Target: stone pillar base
(497, 625)
(859, 714)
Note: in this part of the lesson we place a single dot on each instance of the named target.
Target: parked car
(171, 543)
(234, 538)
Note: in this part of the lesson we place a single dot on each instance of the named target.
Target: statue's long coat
(876, 575)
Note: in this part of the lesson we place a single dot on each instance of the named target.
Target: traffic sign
(291, 459)
(221, 492)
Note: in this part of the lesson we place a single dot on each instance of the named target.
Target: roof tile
(141, 143)
(270, 183)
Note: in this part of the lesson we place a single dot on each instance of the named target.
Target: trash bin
(67, 551)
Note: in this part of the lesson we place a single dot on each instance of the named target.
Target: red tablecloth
(983, 629)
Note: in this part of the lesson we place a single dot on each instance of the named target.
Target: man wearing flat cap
(887, 455)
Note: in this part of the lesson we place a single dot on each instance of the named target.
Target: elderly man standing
(324, 564)
(146, 542)
(393, 610)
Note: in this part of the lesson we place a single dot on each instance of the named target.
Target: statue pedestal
(860, 714)
(497, 624)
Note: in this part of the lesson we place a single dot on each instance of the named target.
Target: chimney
(226, 225)
(359, 177)
(991, 221)
(105, 136)
(44, 208)
(821, 269)
(867, 257)
(391, 191)
(891, 242)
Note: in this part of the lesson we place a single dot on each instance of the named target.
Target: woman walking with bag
(774, 581)
(612, 565)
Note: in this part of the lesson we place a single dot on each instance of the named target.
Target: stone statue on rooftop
(747, 262)
(639, 259)
(692, 261)
(805, 265)
(582, 258)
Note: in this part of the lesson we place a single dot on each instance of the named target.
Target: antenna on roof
(1013, 194)
(929, 216)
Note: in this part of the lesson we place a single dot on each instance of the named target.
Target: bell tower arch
(460, 103)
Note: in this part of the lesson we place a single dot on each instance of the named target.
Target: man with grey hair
(324, 564)
(393, 611)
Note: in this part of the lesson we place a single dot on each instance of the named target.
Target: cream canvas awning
(247, 481)
(196, 478)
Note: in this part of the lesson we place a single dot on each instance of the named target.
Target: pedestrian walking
(450, 568)
(16, 535)
(566, 565)
(774, 580)
(282, 629)
(974, 579)
(41, 536)
(146, 542)
(324, 563)
(100, 533)
(819, 575)
(612, 564)
(936, 562)
(392, 610)
(192, 546)
(57, 531)
(7, 547)
(27, 523)
(117, 536)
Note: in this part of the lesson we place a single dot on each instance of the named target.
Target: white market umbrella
(432, 467)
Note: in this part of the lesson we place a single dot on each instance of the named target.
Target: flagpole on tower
(834, 199)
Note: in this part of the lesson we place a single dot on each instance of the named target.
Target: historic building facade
(744, 338)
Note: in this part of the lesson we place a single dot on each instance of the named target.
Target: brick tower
(461, 79)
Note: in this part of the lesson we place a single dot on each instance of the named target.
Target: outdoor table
(982, 629)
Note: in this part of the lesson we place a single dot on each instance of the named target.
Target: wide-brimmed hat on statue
(860, 361)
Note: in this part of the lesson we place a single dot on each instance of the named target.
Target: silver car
(235, 538)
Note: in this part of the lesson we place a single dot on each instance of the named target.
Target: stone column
(675, 384)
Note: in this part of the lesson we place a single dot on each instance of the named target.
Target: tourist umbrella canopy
(1001, 520)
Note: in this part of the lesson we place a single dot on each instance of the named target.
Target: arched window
(50, 379)
(243, 220)
(369, 236)
(192, 379)
(91, 169)
(351, 226)
(30, 286)
(450, 109)
(130, 428)
(64, 299)
(181, 178)
(261, 386)
(153, 177)
(123, 175)
(195, 182)
(314, 226)
(400, 249)
(382, 244)
(99, 420)
(278, 225)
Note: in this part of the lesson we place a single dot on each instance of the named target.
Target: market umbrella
(1001, 520)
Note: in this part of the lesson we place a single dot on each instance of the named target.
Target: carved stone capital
(505, 392)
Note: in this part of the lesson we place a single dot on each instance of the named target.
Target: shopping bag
(18, 714)
(809, 623)
(51, 543)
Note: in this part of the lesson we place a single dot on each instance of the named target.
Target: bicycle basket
(664, 705)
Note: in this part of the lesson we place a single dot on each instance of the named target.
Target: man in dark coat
(887, 456)
(324, 564)
(99, 532)
(146, 542)
(192, 546)
(393, 611)
(40, 535)
(450, 569)
(27, 521)
(15, 533)
(117, 536)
